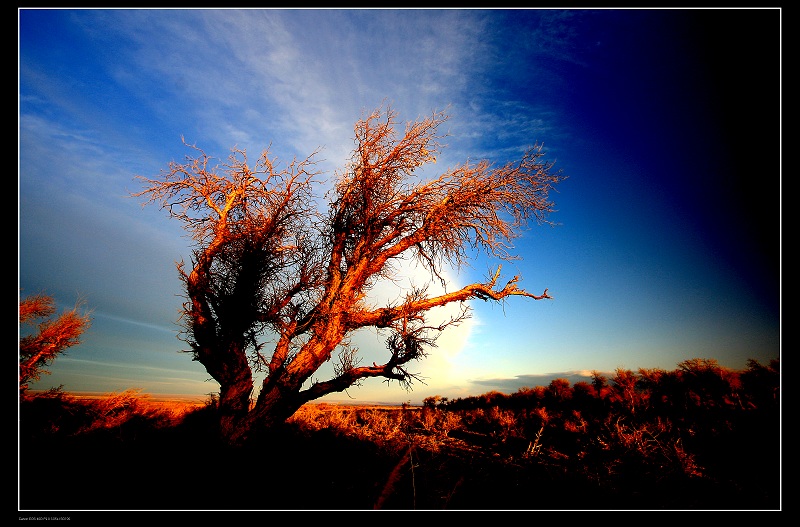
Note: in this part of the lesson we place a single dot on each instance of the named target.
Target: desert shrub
(56, 414)
(438, 422)
(448, 422)
(575, 423)
(128, 408)
(382, 425)
(492, 421)
(504, 422)
(428, 418)
(387, 429)
(643, 451)
(321, 416)
(492, 398)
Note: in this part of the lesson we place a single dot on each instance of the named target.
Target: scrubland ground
(126, 452)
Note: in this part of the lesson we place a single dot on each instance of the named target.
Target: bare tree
(51, 338)
(268, 263)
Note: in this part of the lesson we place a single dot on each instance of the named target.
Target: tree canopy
(269, 266)
(51, 337)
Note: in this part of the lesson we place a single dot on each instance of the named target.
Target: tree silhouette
(51, 338)
(269, 263)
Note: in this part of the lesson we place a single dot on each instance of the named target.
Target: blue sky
(668, 243)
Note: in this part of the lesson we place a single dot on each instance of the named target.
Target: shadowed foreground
(174, 471)
(123, 455)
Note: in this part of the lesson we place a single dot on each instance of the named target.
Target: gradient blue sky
(667, 123)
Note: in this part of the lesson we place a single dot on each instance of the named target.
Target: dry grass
(174, 404)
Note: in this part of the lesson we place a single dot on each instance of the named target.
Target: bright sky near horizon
(667, 123)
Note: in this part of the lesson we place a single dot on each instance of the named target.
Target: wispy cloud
(513, 384)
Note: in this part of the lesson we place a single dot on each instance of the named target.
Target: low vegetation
(699, 437)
